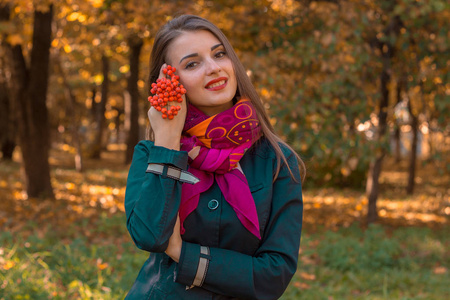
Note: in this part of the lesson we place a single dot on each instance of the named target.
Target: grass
(51, 266)
(350, 263)
(407, 263)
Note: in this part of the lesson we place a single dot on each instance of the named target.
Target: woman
(214, 195)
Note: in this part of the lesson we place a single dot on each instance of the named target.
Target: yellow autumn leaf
(307, 276)
(9, 264)
(349, 59)
(345, 171)
(437, 80)
(70, 185)
(84, 74)
(15, 39)
(73, 16)
(19, 195)
(98, 78)
(96, 3)
(67, 49)
(124, 69)
(102, 266)
(265, 93)
(440, 270)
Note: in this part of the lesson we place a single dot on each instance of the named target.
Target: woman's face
(205, 70)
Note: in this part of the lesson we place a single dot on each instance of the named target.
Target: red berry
(167, 90)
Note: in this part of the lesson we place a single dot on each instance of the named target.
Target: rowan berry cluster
(167, 90)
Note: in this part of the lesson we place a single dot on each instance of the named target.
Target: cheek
(234, 79)
(190, 83)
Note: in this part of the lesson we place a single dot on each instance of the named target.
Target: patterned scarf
(215, 145)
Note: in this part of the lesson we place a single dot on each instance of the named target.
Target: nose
(212, 66)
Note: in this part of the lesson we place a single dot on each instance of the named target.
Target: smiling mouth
(216, 84)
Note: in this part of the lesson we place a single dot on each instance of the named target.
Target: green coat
(240, 266)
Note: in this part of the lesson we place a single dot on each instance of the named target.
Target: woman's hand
(175, 242)
(167, 132)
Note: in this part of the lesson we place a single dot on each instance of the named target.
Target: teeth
(216, 84)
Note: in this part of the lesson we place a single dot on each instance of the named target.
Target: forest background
(359, 88)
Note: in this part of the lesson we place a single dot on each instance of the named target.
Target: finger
(184, 102)
(161, 74)
(177, 223)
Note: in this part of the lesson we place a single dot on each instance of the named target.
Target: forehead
(191, 42)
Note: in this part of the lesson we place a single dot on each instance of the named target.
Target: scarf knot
(215, 145)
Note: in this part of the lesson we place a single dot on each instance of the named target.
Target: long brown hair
(245, 89)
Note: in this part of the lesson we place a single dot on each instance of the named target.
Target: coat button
(213, 204)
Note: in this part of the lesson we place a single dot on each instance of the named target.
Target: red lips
(216, 87)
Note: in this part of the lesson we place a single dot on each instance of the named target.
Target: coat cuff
(193, 264)
(162, 155)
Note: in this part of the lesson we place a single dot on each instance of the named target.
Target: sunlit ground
(101, 187)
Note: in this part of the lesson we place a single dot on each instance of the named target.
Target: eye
(191, 64)
(220, 54)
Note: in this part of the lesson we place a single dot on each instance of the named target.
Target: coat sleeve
(152, 201)
(267, 273)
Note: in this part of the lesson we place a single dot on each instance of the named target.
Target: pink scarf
(217, 144)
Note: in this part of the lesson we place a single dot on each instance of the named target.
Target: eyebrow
(196, 54)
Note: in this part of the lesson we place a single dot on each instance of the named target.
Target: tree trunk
(7, 127)
(100, 111)
(397, 141)
(71, 104)
(30, 93)
(397, 133)
(373, 184)
(132, 98)
(387, 53)
(413, 154)
(7, 142)
(93, 103)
